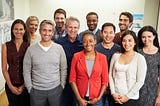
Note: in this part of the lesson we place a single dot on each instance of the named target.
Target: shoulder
(139, 56)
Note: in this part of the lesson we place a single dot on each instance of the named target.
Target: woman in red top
(12, 65)
(89, 73)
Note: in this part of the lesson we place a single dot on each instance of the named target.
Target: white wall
(108, 10)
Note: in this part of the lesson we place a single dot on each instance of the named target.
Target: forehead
(18, 25)
(91, 17)
(34, 21)
(73, 23)
(46, 26)
(124, 17)
(108, 28)
(88, 36)
(59, 15)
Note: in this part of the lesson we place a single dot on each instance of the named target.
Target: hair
(71, 18)
(128, 14)
(19, 21)
(61, 11)
(92, 13)
(47, 22)
(88, 32)
(133, 34)
(150, 29)
(108, 24)
(31, 18)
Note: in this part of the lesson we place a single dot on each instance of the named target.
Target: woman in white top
(127, 72)
(32, 26)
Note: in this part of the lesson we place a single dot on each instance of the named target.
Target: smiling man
(92, 23)
(59, 19)
(45, 68)
(125, 22)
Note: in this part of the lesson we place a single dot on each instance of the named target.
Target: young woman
(32, 25)
(149, 48)
(89, 73)
(12, 65)
(127, 72)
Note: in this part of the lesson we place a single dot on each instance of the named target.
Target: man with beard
(60, 19)
(92, 22)
(125, 22)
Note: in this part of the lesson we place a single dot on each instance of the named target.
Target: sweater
(44, 70)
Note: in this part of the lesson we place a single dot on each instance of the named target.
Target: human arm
(138, 64)
(82, 102)
(5, 71)
(112, 76)
(27, 67)
(72, 80)
(63, 68)
(157, 101)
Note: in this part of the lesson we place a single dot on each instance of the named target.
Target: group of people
(96, 67)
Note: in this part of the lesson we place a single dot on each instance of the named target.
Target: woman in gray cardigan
(127, 72)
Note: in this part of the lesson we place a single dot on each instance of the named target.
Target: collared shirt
(58, 35)
(96, 32)
(70, 48)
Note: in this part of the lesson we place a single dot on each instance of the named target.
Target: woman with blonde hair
(32, 25)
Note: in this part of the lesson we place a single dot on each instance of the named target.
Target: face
(33, 25)
(128, 43)
(46, 32)
(18, 31)
(92, 22)
(124, 23)
(147, 38)
(88, 43)
(108, 34)
(72, 28)
(59, 20)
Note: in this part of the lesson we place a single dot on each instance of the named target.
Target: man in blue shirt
(108, 48)
(71, 44)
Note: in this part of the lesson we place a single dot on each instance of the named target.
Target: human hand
(21, 88)
(157, 102)
(116, 98)
(83, 102)
(93, 101)
(14, 90)
(123, 99)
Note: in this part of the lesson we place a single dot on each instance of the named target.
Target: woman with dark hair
(149, 48)
(12, 65)
(127, 72)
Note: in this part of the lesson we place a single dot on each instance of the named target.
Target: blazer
(98, 77)
(135, 73)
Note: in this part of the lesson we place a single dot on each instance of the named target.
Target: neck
(45, 44)
(149, 46)
(60, 29)
(90, 55)
(107, 45)
(72, 39)
(129, 53)
(18, 41)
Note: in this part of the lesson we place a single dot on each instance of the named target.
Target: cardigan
(135, 73)
(79, 74)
